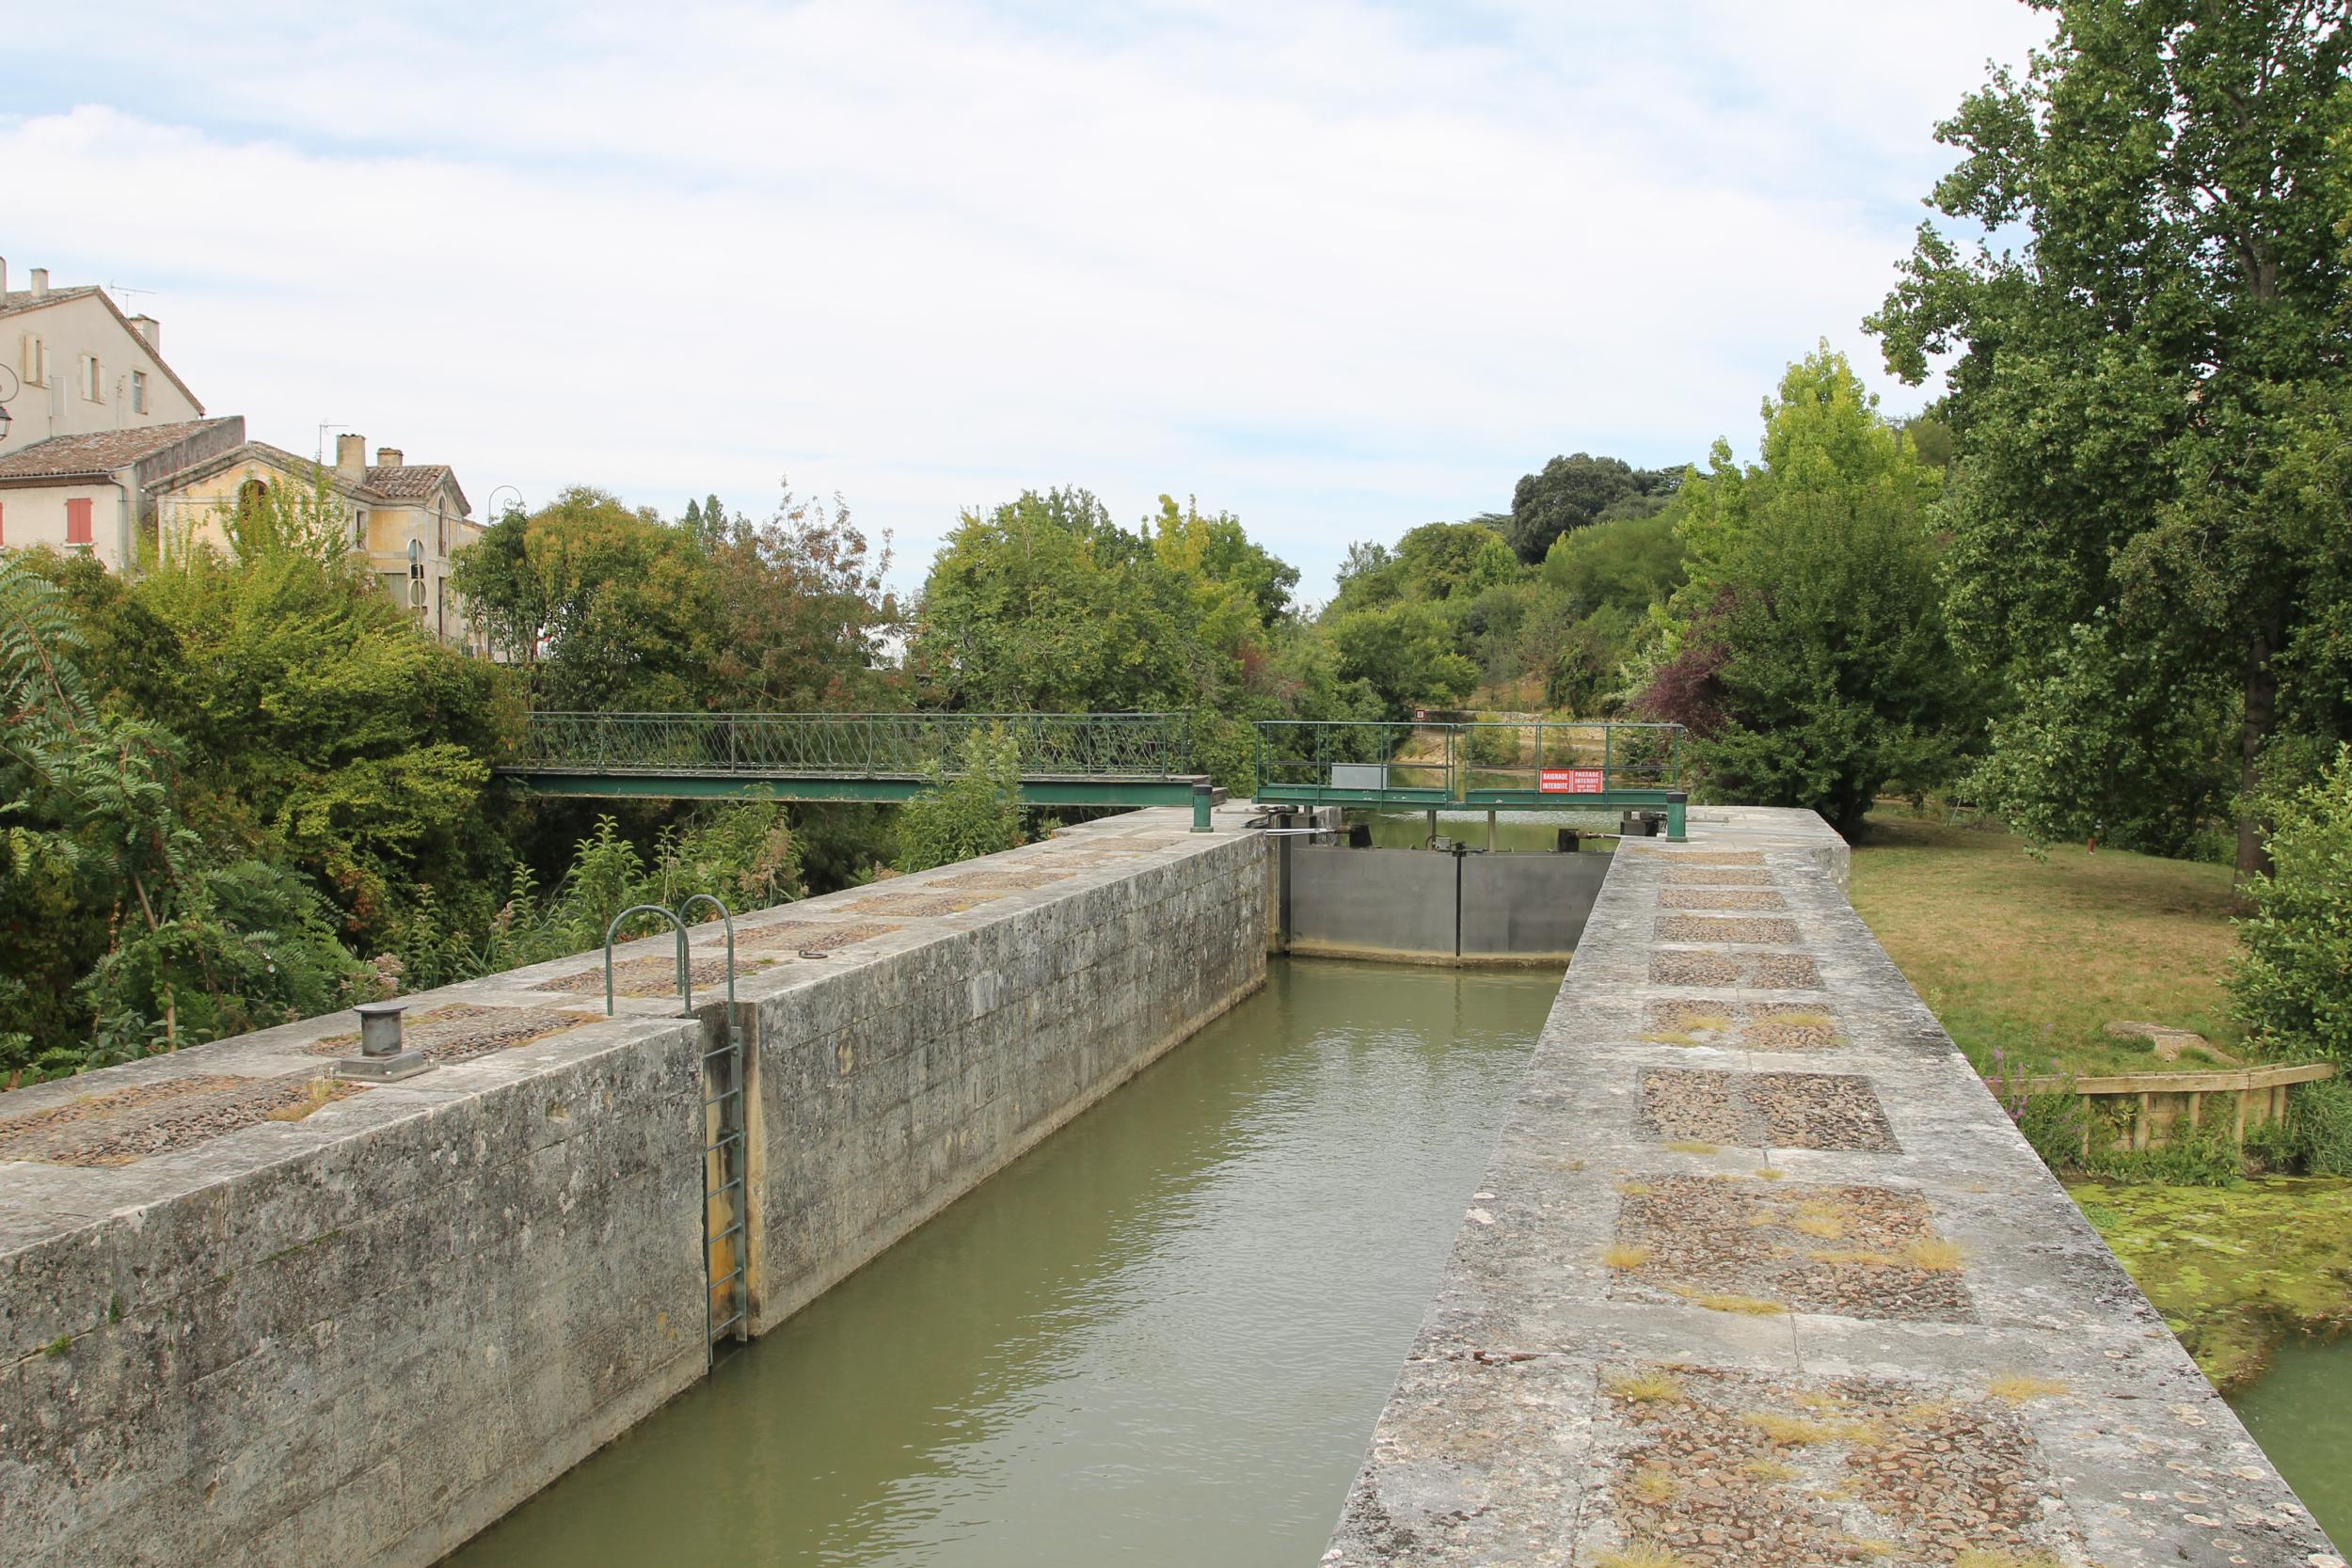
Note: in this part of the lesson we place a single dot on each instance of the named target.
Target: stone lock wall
(247, 1319)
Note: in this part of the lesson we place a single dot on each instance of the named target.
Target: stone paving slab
(1668, 1336)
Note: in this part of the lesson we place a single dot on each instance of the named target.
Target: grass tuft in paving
(1730, 1241)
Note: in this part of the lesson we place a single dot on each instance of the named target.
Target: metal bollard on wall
(382, 1058)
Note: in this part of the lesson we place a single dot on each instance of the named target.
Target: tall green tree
(2146, 387)
(1574, 492)
(1044, 604)
(800, 611)
(602, 606)
(1810, 654)
(1402, 653)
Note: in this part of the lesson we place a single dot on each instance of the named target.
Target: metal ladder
(727, 1209)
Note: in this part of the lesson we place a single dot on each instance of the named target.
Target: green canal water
(2297, 1411)
(1163, 1337)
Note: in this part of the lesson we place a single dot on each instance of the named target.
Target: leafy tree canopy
(2147, 393)
(1570, 493)
(606, 606)
(1811, 661)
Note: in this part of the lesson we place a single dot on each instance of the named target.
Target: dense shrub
(2293, 978)
(974, 811)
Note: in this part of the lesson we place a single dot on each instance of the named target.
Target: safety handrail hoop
(713, 899)
(684, 971)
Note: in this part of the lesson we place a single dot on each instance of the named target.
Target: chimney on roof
(150, 329)
(351, 458)
(387, 457)
(41, 283)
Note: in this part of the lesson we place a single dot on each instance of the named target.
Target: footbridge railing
(1504, 765)
(1065, 759)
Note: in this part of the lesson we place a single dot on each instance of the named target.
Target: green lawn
(2033, 957)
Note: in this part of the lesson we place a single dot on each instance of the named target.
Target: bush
(2292, 980)
(2052, 1124)
(2200, 1157)
(2319, 1127)
(974, 812)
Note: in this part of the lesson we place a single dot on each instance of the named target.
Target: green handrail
(1411, 762)
(851, 745)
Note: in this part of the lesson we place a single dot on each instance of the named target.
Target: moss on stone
(2233, 1268)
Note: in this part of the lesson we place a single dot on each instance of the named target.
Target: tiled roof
(100, 452)
(409, 481)
(25, 299)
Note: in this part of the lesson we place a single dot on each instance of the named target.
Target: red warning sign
(1571, 781)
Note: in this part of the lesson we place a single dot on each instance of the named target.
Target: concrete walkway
(1761, 1274)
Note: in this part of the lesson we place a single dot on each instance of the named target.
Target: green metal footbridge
(1103, 759)
(1067, 759)
(1486, 765)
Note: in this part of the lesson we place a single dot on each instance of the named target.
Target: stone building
(73, 364)
(94, 494)
(408, 519)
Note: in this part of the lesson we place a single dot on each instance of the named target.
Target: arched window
(250, 496)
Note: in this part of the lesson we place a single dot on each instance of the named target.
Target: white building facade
(73, 364)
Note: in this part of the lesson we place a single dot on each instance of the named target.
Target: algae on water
(2233, 1268)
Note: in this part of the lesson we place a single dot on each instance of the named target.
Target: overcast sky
(1340, 267)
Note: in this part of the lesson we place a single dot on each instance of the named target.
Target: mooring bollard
(382, 1058)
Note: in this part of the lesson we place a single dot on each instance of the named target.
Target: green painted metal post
(1675, 801)
(1204, 796)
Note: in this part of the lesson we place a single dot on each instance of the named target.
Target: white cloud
(1338, 266)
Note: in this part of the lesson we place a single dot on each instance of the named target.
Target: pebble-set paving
(1720, 1468)
(1697, 928)
(654, 976)
(1720, 899)
(462, 1031)
(1783, 971)
(1756, 971)
(1007, 880)
(808, 936)
(1755, 1246)
(918, 903)
(1765, 1110)
(1716, 876)
(123, 1126)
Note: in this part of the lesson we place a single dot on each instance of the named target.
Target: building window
(138, 392)
(359, 528)
(90, 378)
(4, 528)
(77, 525)
(34, 362)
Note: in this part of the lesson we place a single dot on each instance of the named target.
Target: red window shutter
(77, 521)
